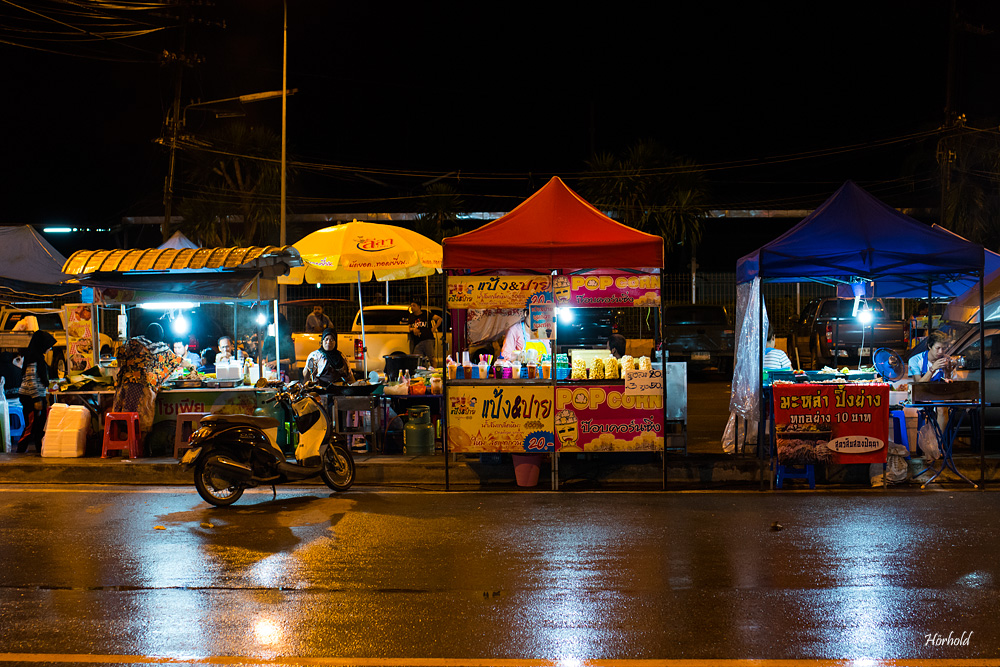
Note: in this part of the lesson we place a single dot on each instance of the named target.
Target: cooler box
(66, 431)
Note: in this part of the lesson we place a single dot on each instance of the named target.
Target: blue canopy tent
(855, 237)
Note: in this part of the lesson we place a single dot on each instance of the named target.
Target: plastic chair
(130, 423)
(16, 411)
(788, 472)
(182, 436)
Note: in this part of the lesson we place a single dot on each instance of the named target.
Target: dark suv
(700, 335)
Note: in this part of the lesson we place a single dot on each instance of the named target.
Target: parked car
(584, 327)
(826, 333)
(700, 335)
(966, 348)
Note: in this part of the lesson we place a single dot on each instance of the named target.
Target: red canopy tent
(553, 229)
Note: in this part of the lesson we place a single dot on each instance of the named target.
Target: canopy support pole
(277, 345)
(982, 379)
(361, 313)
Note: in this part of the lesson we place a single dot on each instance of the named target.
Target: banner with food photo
(498, 291)
(607, 419)
(831, 423)
(500, 419)
(80, 352)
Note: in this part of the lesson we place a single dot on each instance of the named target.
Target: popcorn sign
(599, 291)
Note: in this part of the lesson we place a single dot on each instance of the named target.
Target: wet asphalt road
(386, 577)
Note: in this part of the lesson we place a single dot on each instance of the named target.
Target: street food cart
(114, 278)
(867, 249)
(555, 251)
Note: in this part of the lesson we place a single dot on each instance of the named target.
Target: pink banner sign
(606, 419)
(606, 291)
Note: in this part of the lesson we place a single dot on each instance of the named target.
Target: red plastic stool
(130, 422)
(182, 436)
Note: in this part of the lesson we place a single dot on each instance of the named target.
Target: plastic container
(66, 431)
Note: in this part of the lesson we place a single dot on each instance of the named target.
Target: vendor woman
(327, 365)
(933, 364)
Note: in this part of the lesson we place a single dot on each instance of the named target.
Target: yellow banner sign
(498, 291)
(500, 419)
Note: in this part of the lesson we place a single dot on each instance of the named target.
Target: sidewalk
(640, 471)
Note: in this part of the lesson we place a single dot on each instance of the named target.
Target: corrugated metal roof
(84, 262)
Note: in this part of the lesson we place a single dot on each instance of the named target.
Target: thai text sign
(644, 383)
(606, 419)
(603, 291)
(500, 419)
(831, 423)
(171, 403)
(498, 291)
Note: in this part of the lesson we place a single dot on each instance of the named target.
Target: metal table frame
(946, 437)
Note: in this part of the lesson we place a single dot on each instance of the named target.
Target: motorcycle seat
(259, 422)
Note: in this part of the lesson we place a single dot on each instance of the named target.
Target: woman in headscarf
(34, 390)
(327, 365)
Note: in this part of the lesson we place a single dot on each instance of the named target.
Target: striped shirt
(31, 384)
(776, 360)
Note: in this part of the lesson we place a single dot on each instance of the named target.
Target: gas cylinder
(418, 434)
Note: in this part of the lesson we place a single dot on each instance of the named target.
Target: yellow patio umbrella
(357, 251)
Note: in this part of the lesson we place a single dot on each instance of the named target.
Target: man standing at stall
(318, 321)
(423, 327)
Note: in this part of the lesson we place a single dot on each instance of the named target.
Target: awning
(84, 262)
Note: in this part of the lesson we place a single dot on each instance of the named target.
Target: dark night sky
(500, 89)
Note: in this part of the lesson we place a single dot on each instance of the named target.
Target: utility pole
(174, 124)
(283, 235)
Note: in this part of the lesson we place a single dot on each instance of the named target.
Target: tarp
(178, 242)
(553, 229)
(29, 264)
(853, 234)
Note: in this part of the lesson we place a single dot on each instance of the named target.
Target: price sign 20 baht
(831, 423)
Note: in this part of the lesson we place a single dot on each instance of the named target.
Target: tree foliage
(650, 189)
(438, 211)
(971, 192)
(231, 194)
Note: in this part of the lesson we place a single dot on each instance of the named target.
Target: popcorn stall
(559, 390)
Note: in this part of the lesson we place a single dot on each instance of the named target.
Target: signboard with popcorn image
(603, 290)
(500, 419)
(606, 419)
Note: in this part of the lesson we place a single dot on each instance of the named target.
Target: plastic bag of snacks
(611, 368)
(578, 370)
(627, 364)
(645, 364)
(597, 370)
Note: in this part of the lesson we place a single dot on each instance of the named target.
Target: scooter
(231, 453)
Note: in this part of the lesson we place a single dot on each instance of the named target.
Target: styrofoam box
(66, 431)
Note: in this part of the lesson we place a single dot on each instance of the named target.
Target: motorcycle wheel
(213, 489)
(338, 468)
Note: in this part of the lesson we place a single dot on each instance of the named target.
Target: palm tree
(649, 189)
(438, 211)
(231, 194)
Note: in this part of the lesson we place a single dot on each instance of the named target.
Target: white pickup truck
(386, 332)
(52, 320)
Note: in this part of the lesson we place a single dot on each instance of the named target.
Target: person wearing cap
(327, 365)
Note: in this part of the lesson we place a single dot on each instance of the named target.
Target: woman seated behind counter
(327, 365)
(932, 365)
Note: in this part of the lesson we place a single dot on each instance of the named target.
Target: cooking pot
(397, 363)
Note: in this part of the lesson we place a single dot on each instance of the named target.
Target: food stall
(559, 252)
(239, 277)
(870, 250)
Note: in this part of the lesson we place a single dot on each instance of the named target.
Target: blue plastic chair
(16, 411)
